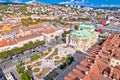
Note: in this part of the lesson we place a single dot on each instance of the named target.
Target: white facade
(114, 62)
(9, 76)
(59, 32)
(20, 44)
(49, 37)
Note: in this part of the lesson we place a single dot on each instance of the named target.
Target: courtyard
(42, 64)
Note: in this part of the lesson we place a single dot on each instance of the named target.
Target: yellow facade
(114, 62)
(6, 28)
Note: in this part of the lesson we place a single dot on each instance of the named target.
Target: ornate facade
(83, 38)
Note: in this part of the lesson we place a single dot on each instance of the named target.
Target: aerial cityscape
(59, 39)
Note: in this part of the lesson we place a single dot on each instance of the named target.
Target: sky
(103, 3)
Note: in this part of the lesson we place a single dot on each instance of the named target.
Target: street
(8, 65)
(62, 73)
(21, 57)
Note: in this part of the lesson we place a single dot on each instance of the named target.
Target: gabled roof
(48, 31)
(78, 77)
(67, 78)
(98, 67)
(66, 27)
(85, 63)
(83, 68)
(93, 76)
(95, 69)
(78, 72)
(3, 43)
(71, 75)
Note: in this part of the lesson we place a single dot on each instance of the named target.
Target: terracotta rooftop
(18, 39)
(48, 31)
(85, 63)
(78, 77)
(66, 27)
(12, 41)
(77, 71)
(3, 43)
(93, 76)
(83, 68)
(72, 76)
(1, 26)
(67, 78)
(99, 59)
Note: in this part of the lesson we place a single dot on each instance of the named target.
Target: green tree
(76, 27)
(21, 49)
(56, 37)
(20, 67)
(35, 56)
(24, 76)
(63, 66)
(29, 67)
(29, 73)
(49, 49)
(56, 50)
(21, 70)
(65, 33)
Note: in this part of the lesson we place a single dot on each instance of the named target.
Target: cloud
(63, 3)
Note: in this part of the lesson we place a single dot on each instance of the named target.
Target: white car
(15, 60)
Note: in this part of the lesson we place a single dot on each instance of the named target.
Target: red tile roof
(72, 76)
(78, 77)
(1, 26)
(85, 63)
(109, 49)
(66, 27)
(83, 68)
(78, 71)
(67, 78)
(12, 41)
(93, 76)
(48, 31)
(3, 43)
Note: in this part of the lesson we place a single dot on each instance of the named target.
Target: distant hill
(6, 3)
(107, 8)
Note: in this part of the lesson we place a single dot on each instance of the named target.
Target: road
(26, 54)
(13, 71)
(78, 57)
(7, 66)
(110, 29)
(62, 73)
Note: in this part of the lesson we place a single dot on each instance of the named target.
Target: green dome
(85, 34)
(84, 26)
(81, 33)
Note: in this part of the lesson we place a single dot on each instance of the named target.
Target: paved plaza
(63, 51)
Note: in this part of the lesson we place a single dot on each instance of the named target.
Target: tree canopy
(26, 46)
